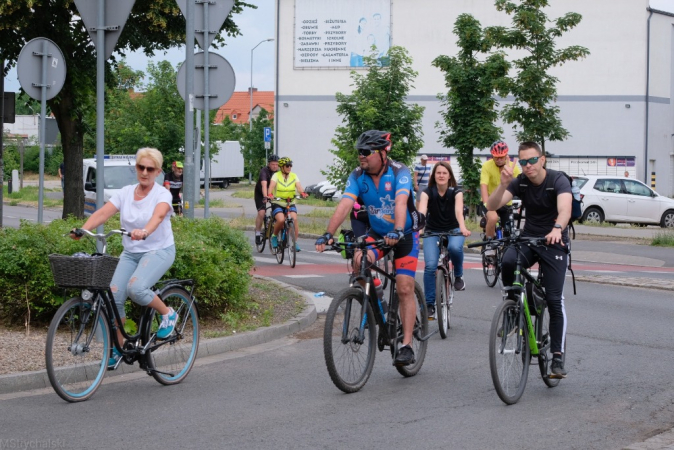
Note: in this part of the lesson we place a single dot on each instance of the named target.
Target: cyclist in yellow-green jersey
(490, 178)
(284, 184)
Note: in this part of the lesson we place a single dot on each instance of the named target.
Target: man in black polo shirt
(546, 197)
(173, 181)
(261, 193)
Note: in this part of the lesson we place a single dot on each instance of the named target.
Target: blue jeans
(431, 255)
(136, 273)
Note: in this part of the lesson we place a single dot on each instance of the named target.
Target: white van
(119, 171)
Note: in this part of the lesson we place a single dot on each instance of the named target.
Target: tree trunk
(72, 138)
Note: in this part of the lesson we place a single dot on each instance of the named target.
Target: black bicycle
(444, 282)
(286, 239)
(357, 321)
(84, 329)
(492, 253)
(520, 329)
(267, 229)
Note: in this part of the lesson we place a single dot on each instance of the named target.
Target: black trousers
(553, 262)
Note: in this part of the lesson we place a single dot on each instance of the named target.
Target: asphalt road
(279, 395)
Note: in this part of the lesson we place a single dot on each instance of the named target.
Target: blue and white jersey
(380, 202)
(423, 174)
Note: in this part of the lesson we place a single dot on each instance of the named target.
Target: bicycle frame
(387, 332)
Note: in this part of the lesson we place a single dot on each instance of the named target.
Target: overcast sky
(255, 25)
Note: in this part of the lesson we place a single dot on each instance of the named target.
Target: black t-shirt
(265, 175)
(540, 202)
(175, 185)
(441, 212)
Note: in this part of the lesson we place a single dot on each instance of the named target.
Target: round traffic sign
(222, 81)
(29, 68)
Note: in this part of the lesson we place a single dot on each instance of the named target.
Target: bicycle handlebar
(358, 244)
(441, 233)
(79, 232)
(530, 241)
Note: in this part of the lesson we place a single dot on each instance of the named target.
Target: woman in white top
(145, 210)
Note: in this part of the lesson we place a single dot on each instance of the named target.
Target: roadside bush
(216, 257)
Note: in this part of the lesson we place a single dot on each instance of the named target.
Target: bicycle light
(86, 294)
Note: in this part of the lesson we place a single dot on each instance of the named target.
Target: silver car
(616, 199)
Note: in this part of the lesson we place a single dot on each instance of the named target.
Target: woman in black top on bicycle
(442, 203)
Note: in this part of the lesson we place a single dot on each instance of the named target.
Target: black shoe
(258, 239)
(431, 311)
(557, 368)
(405, 356)
(459, 284)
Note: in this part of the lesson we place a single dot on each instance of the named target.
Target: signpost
(267, 142)
(42, 73)
(204, 23)
(104, 20)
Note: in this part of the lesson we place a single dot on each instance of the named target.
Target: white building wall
(593, 93)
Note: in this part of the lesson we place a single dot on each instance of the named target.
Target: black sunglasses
(142, 168)
(532, 161)
(366, 151)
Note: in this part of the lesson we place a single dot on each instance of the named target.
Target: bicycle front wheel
(348, 356)
(78, 346)
(292, 244)
(170, 360)
(542, 328)
(442, 302)
(420, 331)
(509, 352)
(490, 268)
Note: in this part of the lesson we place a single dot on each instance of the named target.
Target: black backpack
(576, 202)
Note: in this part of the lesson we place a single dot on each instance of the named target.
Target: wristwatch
(558, 226)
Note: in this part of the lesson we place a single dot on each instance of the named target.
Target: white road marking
(273, 261)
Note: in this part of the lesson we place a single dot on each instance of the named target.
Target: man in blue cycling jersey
(384, 186)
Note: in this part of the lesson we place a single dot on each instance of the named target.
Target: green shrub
(664, 239)
(216, 257)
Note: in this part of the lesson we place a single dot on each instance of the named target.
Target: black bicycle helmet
(272, 158)
(374, 140)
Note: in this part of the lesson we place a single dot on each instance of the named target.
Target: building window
(234, 116)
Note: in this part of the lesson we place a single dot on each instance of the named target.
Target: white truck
(226, 165)
(118, 171)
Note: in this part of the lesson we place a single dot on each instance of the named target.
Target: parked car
(616, 199)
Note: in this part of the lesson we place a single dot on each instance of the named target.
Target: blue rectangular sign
(267, 134)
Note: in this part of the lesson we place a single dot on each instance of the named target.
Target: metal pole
(197, 153)
(189, 190)
(100, 114)
(43, 126)
(207, 110)
(2, 125)
(250, 115)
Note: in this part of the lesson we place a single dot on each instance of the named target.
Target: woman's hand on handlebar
(465, 231)
(76, 234)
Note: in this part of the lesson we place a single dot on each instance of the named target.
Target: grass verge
(29, 196)
(248, 192)
(663, 239)
(269, 304)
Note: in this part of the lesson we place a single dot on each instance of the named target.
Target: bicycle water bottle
(499, 230)
(379, 289)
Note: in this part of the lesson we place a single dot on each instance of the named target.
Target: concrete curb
(23, 381)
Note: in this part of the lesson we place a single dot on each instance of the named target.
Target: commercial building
(616, 103)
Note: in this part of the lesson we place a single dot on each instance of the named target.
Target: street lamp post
(250, 114)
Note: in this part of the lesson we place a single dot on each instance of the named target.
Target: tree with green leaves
(252, 143)
(534, 88)
(470, 107)
(377, 103)
(153, 25)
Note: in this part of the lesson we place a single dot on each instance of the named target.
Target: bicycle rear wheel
(490, 268)
(509, 352)
(292, 244)
(77, 351)
(442, 302)
(542, 327)
(348, 358)
(263, 237)
(170, 360)
(420, 330)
